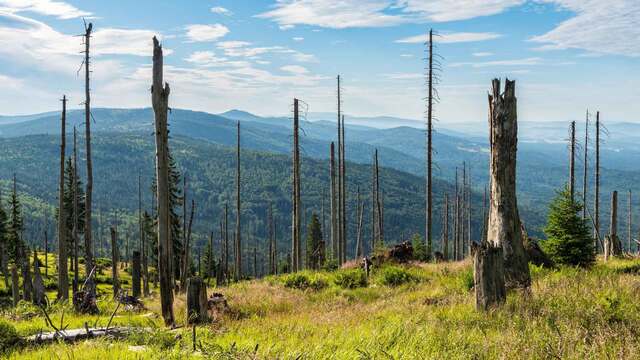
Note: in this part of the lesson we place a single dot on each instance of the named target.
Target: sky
(257, 55)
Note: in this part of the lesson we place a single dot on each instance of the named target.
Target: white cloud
(202, 33)
(406, 55)
(609, 27)
(209, 59)
(514, 62)
(295, 69)
(221, 11)
(125, 42)
(58, 9)
(482, 54)
(404, 76)
(243, 49)
(298, 38)
(340, 14)
(449, 38)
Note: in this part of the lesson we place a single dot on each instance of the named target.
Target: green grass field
(411, 312)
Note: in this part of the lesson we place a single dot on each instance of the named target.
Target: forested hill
(118, 157)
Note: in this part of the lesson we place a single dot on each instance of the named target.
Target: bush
(396, 276)
(302, 281)
(419, 248)
(9, 337)
(351, 279)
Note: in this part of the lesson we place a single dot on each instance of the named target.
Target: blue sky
(566, 55)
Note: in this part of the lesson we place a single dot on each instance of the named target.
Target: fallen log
(74, 335)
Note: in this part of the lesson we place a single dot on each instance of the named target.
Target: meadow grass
(428, 314)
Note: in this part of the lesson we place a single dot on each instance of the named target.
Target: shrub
(466, 279)
(9, 337)
(351, 279)
(396, 276)
(419, 248)
(296, 281)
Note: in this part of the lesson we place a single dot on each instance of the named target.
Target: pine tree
(315, 244)
(568, 239)
(4, 245)
(15, 227)
(68, 203)
(175, 202)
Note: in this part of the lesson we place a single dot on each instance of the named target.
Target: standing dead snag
(334, 203)
(197, 311)
(429, 199)
(629, 220)
(295, 192)
(585, 167)
(88, 233)
(15, 285)
(445, 228)
(572, 162)
(343, 198)
(160, 100)
(39, 296)
(503, 228)
(135, 274)
(612, 244)
(238, 238)
(114, 262)
(596, 202)
(488, 275)
(63, 276)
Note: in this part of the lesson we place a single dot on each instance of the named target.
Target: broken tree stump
(197, 304)
(39, 296)
(135, 274)
(488, 275)
(612, 244)
(503, 226)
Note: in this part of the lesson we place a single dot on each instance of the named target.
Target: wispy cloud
(607, 27)
(340, 14)
(203, 33)
(244, 49)
(450, 38)
(298, 38)
(482, 54)
(59, 9)
(295, 69)
(514, 62)
(221, 11)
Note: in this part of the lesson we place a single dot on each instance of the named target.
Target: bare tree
(160, 100)
(612, 245)
(429, 204)
(115, 258)
(296, 251)
(238, 237)
(504, 221)
(596, 202)
(585, 166)
(445, 228)
(334, 203)
(572, 157)
(63, 277)
(74, 227)
(629, 221)
(88, 242)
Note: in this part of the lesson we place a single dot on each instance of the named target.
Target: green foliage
(419, 248)
(568, 239)
(9, 337)
(396, 276)
(351, 279)
(303, 281)
(315, 244)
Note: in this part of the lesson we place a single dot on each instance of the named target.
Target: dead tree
(488, 275)
(88, 233)
(115, 258)
(629, 220)
(572, 157)
(379, 237)
(343, 198)
(186, 256)
(160, 100)
(271, 234)
(504, 221)
(74, 226)
(469, 211)
(445, 228)
(238, 237)
(15, 285)
(456, 221)
(22, 256)
(46, 253)
(135, 273)
(63, 276)
(339, 180)
(39, 296)
(226, 242)
(334, 203)
(612, 244)
(429, 147)
(197, 310)
(296, 252)
(596, 202)
(359, 213)
(585, 167)
(463, 211)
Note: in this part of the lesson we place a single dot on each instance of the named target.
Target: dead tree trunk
(629, 220)
(238, 237)
(504, 221)
(143, 242)
(15, 285)
(488, 275)
(612, 244)
(39, 296)
(359, 227)
(339, 180)
(585, 167)
(295, 192)
(429, 205)
(114, 262)
(463, 211)
(160, 100)
(74, 226)
(187, 252)
(63, 277)
(572, 162)
(343, 198)
(596, 202)
(456, 222)
(334, 203)
(445, 231)
(378, 209)
(197, 311)
(135, 274)
(88, 233)
(46, 253)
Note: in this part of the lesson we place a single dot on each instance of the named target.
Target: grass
(417, 311)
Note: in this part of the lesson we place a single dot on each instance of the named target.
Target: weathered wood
(114, 262)
(343, 198)
(445, 228)
(63, 276)
(135, 274)
(15, 285)
(612, 244)
(196, 300)
(585, 167)
(488, 275)
(74, 335)
(186, 257)
(296, 251)
(238, 232)
(429, 148)
(74, 227)
(503, 228)
(39, 296)
(572, 159)
(333, 202)
(596, 201)
(160, 100)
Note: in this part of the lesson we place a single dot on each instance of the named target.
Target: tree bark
(186, 257)
(238, 237)
(596, 202)
(343, 198)
(445, 231)
(572, 160)
(88, 233)
(295, 211)
(15, 285)
(334, 203)
(585, 173)
(504, 221)
(39, 296)
(114, 262)
(197, 311)
(135, 274)
(63, 276)
(429, 197)
(488, 275)
(612, 244)
(74, 227)
(160, 100)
